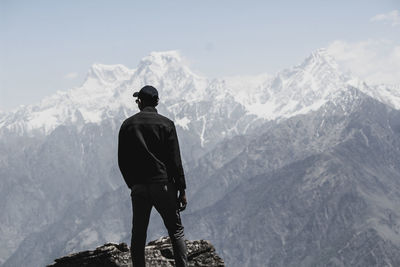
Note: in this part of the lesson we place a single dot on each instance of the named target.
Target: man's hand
(182, 201)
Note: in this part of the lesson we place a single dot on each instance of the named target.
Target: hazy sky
(47, 46)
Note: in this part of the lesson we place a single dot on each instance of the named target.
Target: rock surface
(158, 253)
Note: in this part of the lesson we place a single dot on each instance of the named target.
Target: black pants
(164, 198)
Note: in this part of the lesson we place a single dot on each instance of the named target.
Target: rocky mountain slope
(324, 182)
(330, 200)
(60, 181)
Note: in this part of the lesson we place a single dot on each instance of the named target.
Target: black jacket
(148, 150)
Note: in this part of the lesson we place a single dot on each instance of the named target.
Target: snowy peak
(299, 89)
(159, 62)
(162, 58)
(315, 73)
(87, 103)
(320, 58)
(108, 73)
(168, 72)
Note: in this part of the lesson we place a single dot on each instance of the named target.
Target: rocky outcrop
(158, 253)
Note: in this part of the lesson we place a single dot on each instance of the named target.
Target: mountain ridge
(108, 88)
(313, 146)
(335, 206)
(63, 150)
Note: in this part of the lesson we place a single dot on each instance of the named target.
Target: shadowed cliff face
(158, 253)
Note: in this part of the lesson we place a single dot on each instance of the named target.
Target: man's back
(149, 150)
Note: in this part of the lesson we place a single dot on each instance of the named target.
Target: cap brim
(135, 94)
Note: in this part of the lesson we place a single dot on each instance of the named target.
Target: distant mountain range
(300, 168)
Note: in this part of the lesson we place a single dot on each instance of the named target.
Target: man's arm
(123, 155)
(174, 158)
(175, 167)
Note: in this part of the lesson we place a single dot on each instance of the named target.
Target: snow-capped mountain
(108, 88)
(84, 104)
(61, 153)
(321, 183)
(306, 87)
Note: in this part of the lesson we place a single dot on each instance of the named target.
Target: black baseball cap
(147, 92)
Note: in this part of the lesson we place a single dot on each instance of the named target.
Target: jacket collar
(149, 109)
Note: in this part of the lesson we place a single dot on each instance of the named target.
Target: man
(150, 162)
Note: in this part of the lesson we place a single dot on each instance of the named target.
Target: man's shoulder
(129, 120)
(148, 117)
(166, 119)
(163, 120)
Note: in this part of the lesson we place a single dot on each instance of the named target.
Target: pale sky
(49, 45)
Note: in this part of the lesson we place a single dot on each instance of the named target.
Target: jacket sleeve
(175, 168)
(123, 155)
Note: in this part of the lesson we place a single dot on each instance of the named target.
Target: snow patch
(183, 122)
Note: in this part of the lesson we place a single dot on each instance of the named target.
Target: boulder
(158, 253)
